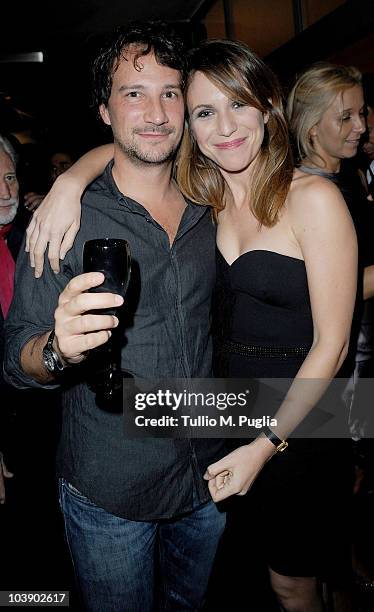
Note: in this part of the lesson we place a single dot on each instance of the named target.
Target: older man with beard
(10, 239)
(29, 521)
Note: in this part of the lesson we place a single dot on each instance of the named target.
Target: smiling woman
(339, 130)
(232, 95)
(215, 125)
(282, 237)
(327, 115)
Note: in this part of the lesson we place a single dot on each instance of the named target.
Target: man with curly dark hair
(134, 509)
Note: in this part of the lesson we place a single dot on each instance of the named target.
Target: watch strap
(280, 444)
(51, 358)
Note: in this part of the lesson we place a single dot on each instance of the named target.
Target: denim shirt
(166, 334)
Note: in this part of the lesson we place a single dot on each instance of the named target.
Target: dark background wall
(289, 34)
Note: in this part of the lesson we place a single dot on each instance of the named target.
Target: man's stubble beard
(133, 152)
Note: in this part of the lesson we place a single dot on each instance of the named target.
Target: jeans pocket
(76, 493)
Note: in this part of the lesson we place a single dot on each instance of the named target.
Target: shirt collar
(191, 215)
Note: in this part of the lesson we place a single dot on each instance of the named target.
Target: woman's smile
(232, 144)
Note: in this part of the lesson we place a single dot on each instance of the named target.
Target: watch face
(49, 361)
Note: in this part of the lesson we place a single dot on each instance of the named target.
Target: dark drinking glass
(112, 257)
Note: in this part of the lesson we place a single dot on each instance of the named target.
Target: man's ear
(104, 114)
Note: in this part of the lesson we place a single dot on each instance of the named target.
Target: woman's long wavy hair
(243, 77)
(314, 91)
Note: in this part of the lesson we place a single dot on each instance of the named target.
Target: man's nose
(5, 193)
(155, 112)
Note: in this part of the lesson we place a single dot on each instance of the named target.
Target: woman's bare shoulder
(304, 181)
(312, 193)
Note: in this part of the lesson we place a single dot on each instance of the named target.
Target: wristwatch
(52, 360)
(279, 444)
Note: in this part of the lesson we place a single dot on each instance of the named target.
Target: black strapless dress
(300, 502)
(262, 300)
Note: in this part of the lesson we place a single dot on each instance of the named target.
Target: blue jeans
(118, 562)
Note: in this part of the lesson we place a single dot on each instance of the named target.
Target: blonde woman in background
(327, 118)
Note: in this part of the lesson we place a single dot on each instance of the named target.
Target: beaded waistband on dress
(253, 350)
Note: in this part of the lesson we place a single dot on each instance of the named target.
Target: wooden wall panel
(215, 21)
(264, 26)
(313, 10)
